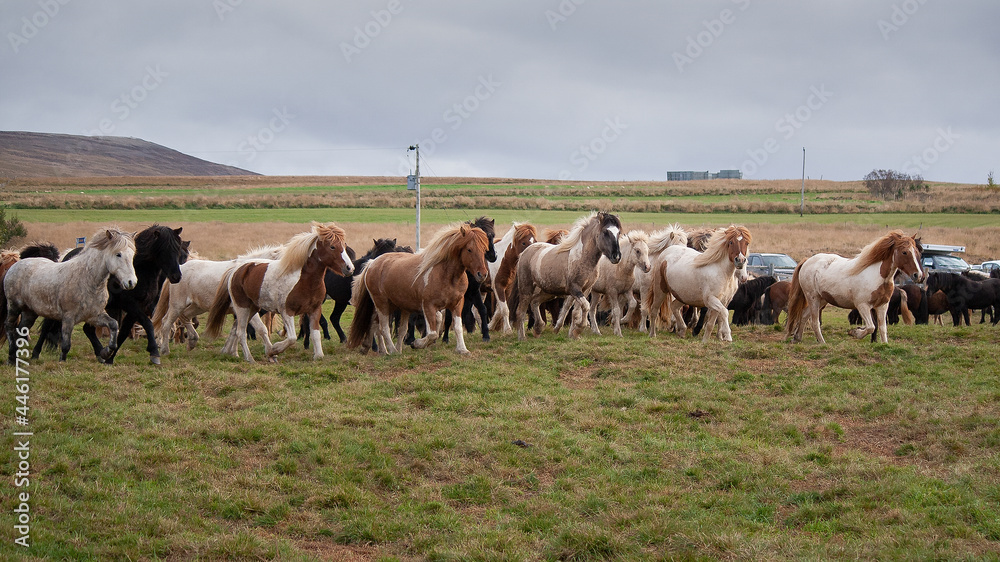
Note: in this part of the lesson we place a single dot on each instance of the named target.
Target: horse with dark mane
(964, 293)
(745, 304)
(159, 253)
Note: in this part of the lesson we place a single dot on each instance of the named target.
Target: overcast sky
(573, 89)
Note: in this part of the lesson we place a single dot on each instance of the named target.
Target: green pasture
(502, 216)
(601, 448)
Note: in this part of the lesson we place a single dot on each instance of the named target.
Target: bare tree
(890, 184)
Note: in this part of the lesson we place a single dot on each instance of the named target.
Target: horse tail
(220, 307)
(162, 306)
(904, 309)
(364, 310)
(796, 303)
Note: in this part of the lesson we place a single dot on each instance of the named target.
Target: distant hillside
(25, 154)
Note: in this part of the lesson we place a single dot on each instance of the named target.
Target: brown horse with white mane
(863, 282)
(430, 281)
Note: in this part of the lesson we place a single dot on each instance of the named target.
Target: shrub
(10, 228)
(890, 184)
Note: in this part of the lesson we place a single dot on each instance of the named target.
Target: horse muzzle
(615, 258)
(480, 276)
(130, 284)
(348, 269)
(175, 277)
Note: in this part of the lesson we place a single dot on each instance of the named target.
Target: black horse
(473, 293)
(964, 293)
(159, 253)
(745, 304)
(338, 287)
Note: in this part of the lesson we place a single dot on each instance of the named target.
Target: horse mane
(715, 250)
(554, 237)
(300, 247)
(661, 239)
(877, 252)
(149, 244)
(485, 224)
(40, 250)
(637, 236)
(268, 252)
(699, 238)
(111, 239)
(446, 242)
(522, 229)
(8, 257)
(575, 233)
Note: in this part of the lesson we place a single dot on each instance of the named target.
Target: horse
(74, 291)
(473, 293)
(338, 287)
(659, 241)
(745, 304)
(430, 281)
(964, 293)
(616, 280)
(569, 268)
(289, 286)
(519, 237)
(863, 282)
(159, 253)
(701, 279)
(775, 301)
(898, 308)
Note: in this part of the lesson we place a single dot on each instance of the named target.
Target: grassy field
(551, 449)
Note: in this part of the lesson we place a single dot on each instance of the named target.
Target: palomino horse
(701, 279)
(566, 269)
(616, 281)
(519, 237)
(289, 286)
(73, 291)
(863, 282)
(430, 281)
(659, 241)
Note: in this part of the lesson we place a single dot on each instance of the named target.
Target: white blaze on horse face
(348, 264)
(614, 230)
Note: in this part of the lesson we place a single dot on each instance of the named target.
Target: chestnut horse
(863, 282)
(519, 237)
(430, 281)
(701, 279)
(566, 269)
(290, 286)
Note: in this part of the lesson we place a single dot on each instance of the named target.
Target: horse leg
(239, 331)
(592, 315)
(536, 315)
(385, 333)
(814, 311)
(103, 320)
(289, 340)
(314, 327)
(48, 328)
(868, 325)
(721, 318)
(583, 306)
(19, 320)
(151, 345)
(480, 307)
(431, 322)
(447, 326)
(563, 312)
(91, 333)
(338, 310)
(459, 331)
(652, 315)
(303, 332)
(616, 313)
(881, 313)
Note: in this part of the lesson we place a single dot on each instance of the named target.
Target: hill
(24, 154)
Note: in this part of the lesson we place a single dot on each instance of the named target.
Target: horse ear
(177, 231)
(108, 232)
(464, 230)
(393, 241)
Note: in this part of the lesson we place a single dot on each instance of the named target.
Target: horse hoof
(486, 339)
(464, 352)
(155, 360)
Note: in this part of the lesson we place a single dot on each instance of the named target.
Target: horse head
(473, 245)
(607, 240)
(489, 227)
(906, 257)
(524, 236)
(738, 245)
(639, 254)
(331, 248)
(119, 251)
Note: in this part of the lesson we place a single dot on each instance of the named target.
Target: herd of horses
(463, 276)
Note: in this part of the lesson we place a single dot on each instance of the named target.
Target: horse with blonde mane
(431, 281)
(616, 281)
(569, 268)
(702, 279)
(72, 291)
(659, 241)
(863, 282)
(290, 286)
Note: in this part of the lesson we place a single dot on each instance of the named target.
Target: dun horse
(519, 237)
(863, 282)
(569, 268)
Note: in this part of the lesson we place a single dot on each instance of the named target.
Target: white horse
(615, 281)
(73, 291)
(703, 279)
(659, 241)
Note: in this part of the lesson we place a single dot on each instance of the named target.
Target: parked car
(945, 262)
(781, 266)
(987, 266)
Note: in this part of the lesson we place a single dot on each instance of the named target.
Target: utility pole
(802, 204)
(413, 182)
